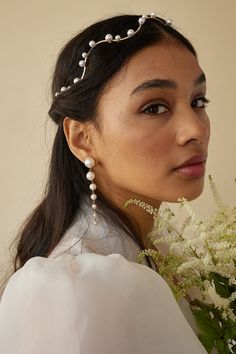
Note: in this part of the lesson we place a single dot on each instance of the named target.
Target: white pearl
(92, 186)
(108, 37)
(94, 206)
(144, 16)
(89, 162)
(84, 55)
(63, 89)
(57, 94)
(130, 32)
(92, 44)
(153, 14)
(76, 79)
(93, 196)
(95, 214)
(141, 20)
(117, 38)
(90, 175)
(168, 22)
(82, 63)
(68, 87)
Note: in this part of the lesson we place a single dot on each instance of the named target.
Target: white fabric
(91, 304)
(86, 298)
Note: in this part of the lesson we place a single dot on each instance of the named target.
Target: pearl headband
(109, 39)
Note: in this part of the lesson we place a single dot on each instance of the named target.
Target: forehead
(166, 60)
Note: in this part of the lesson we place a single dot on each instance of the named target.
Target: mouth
(193, 167)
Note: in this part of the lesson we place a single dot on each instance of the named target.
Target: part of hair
(67, 185)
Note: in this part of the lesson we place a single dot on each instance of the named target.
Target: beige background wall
(32, 32)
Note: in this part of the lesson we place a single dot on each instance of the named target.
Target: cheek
(159, 145)
(140, 147)
(150, 141)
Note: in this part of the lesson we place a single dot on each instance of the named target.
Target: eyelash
(204, 100)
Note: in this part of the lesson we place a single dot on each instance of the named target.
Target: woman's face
(152, 119)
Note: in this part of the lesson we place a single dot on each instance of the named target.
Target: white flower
(232, 297)
(232, 280)
(194, 264)
(218, 301)
(207, 259)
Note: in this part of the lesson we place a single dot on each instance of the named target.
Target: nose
(193, 126)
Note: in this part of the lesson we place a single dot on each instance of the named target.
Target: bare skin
(147, 131)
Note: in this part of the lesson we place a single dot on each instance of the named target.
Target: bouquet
(201, 256)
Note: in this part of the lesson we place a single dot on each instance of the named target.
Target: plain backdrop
(31, 34)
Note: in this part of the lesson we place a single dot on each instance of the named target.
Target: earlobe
(77, 136)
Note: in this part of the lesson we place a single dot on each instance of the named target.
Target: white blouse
(90, 303)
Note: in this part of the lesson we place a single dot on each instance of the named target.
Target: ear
(78, 138)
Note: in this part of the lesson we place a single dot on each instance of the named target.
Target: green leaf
(221, 285)
(222, 347)
(205, 322)
(207, 341)
(230, 331)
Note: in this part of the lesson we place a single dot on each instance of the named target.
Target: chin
(193, 192)
(193, 196)
(189, 191)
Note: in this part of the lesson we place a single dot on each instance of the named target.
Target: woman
(131, 124)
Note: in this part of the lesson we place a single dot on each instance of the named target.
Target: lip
(193, 167)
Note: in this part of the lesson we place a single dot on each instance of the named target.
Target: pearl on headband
(109, 39)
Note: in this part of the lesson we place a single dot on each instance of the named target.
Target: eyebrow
(164, 84)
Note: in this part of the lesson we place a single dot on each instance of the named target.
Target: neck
(141, 220)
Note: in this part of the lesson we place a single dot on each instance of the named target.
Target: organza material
(91, 304)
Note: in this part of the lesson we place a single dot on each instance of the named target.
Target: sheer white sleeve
(91, 304)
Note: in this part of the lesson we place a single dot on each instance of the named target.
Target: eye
(200, 102)
(155, 109)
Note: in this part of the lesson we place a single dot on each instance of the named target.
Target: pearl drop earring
(90, 163)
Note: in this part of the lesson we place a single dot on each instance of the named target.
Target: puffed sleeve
(91, 304)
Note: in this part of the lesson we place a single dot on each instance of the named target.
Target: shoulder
(40, 270)
(83, 274)
(89, 283)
